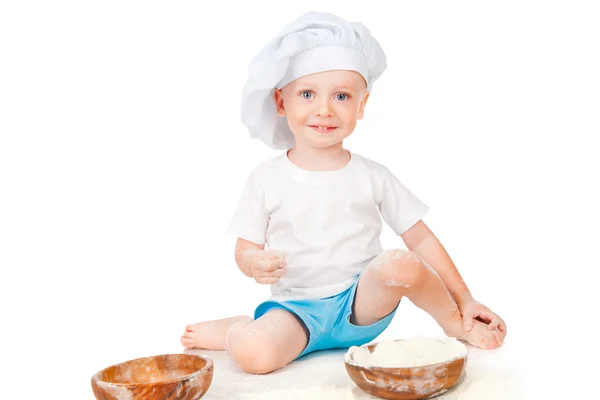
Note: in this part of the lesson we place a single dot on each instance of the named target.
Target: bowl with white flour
(408, 369)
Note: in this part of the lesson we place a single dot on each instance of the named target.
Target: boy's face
(322, 108)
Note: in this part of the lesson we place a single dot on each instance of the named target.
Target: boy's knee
(400, 268)
(253, 354)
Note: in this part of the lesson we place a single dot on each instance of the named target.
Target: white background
(122, 157)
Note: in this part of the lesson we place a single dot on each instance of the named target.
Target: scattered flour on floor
(312, 392)
(491, 375)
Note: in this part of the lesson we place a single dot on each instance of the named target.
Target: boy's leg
(397, 273)
(258, 346)
(268, 343)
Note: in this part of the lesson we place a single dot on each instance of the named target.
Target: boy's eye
(341, 96)
(306, 94)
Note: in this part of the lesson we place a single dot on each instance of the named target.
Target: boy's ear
(278, 97)
(361, 109)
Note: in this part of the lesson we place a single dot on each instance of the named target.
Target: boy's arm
(420, 240)
(244, 248)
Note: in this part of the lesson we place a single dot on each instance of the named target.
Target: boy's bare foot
(479, 336)
(210, 335)
(192, 337)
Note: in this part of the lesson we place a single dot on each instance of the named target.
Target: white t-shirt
(326, 223)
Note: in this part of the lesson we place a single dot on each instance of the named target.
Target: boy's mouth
(323, 128)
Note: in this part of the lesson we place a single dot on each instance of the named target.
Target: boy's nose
(324, 109)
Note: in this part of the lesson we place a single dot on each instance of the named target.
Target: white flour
(312, 392)
(414, 352)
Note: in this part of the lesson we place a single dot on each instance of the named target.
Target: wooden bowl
(410, 383)
(168, 376)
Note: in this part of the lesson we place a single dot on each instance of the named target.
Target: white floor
(323, 376)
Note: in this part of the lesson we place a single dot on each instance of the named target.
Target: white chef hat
(315, 42)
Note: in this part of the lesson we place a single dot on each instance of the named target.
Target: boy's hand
(471, 309)
(267, 266)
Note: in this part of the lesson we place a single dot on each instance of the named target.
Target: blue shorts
(328, 320)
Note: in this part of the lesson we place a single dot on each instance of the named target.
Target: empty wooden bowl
(168, 376)
(408, 383)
